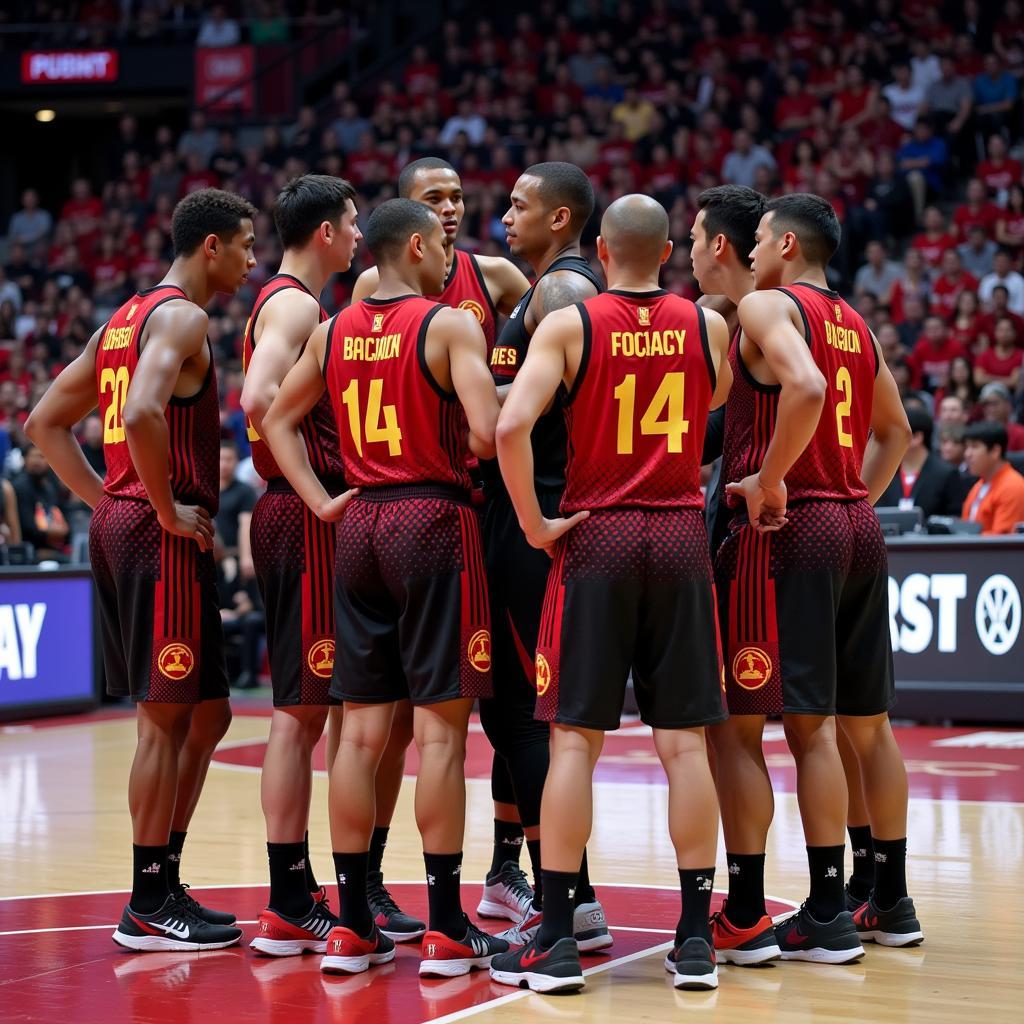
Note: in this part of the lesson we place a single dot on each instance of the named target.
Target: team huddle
(456, 513)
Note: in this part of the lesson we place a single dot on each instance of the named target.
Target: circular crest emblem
(474, 307)
(479, 650)
(751, 668)
(176, 661)
(321, 658)
(543, 674)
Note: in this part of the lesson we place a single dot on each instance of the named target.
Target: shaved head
(635, 229)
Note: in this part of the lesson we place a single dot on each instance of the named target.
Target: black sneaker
(896, 927)
(543, 970)
(204, 913)
(802, 937)
(387, 915)
(175, 926)
(853, 903)
(693, 964)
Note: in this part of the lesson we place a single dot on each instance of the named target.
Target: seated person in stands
(924, 480)
(997, 499)
(241, 616)
(41, 513)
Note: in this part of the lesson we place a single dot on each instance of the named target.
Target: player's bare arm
(718, 342)
(890, 432)
(767, 320)
(556, 291)
(505, 282)
(366, 284)
(70, 398)
(299, 392)
(175, 336)
(544, 370)
(284, 326)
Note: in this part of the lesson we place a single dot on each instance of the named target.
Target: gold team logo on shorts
(479, 650)
(751, 668)
(839, 313)
(378, 322)
(321, 658)
(176, 661)
(543, 674)
(474, 307)
(643, 314)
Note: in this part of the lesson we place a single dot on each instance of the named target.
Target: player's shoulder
(181, 313)
(562, 288)
(769, 302)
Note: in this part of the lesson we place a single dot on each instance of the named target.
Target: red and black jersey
(192, 423)
(639, 406)
(464, 288)
(841, 345)
(396, 424)
(319, 430)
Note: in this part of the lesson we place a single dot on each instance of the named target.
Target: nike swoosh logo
(796, 937)
(529, 959)
(181, 933)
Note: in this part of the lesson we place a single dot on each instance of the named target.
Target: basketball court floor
(65, 857)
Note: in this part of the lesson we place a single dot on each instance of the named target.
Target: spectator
(959, 384)
(935, 239)
(636, 115)
(10, 524)
(350, 126)
(996, 403)
(217, 29)
(976, 211)
(1001, 361)
(92, 444)
(951, 284)
(226, 160)
(237, 501)
(924, 480)
(466, 121)
(953, 409)
(165, 176)
(741, 164)
(243, 622)
(999, 171)
(41, 514)
(902, 374)
(31, 225)
(1010, 225)
(878, 274)
(888, 200)
(904, 96)
(915, 282)
(924, 160)
(965, 324)
(1003, 275)
(999, 308)
(995, 93)
(978, 252)
(951, 450)
(948, 102)
(925, 66)
(199, 139)
(997, 499)
(933, 353)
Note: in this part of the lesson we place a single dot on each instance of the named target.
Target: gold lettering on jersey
(643, 316)
(372, 350)
(503, 355)
(131, 311)
(118, 337)
(647, 343)
(378, 323)
(845, 339)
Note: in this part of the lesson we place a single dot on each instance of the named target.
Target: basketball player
(631, 586)
(486, 286)
(410, 594)
(551, 204)
(802, 576)
(150, 368)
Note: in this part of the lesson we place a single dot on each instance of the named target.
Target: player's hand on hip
(334, 508)
(550, 531)
(766, 506)
(191, 521)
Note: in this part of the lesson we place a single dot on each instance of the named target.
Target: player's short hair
(207, 211)
(306, 202)
(920, 423)
(393, 223)
(989, 433)
(565, 184)
(813, 221)
(733, 211)
(407, 176)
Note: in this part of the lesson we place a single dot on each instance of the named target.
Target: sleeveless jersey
(638, 409)
(464, 288)
(841, 346)
(319, 430)
(396, 425)
(548, 438)
(192, 423)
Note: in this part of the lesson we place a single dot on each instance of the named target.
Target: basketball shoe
(175, 926)
(743, 946)
(896, 927)
(209, 916)
(446, 957)
(347, 953)
(507, 894)
(589, 928)
(693, 964)
(392, 921)
(549, 970)
(280, 935)
(802, 937)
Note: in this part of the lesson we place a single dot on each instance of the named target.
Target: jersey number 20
(116, 382)
(664, 415)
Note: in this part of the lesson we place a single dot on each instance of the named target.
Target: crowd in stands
(906, 115)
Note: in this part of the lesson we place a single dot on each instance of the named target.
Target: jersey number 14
(664, 414)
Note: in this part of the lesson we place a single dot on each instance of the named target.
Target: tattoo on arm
(561, 290)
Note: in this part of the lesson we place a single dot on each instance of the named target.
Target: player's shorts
(631, 589)
(293, 552)
(804, 614)
(410, 598)
(158, 606)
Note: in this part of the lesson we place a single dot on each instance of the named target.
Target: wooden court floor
(65, 859)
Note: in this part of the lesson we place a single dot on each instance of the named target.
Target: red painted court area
(58, 963)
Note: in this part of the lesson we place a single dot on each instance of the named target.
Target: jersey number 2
(116, 382)
(664, 415)
(375, 429)
(844, 385)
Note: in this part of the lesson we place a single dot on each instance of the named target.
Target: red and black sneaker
(320, 896)
(347, 953)
(280, 935)
(896, 927)
(209, 916)
(744, 946)
(803, 937)
(175, 926)
(388, 915)
(542, 970)
(853, 903)
(693, 964)
(445, 957)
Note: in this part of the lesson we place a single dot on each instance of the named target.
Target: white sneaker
(507, 894)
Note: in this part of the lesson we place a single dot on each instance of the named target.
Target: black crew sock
(312, 885)
(863, 878)
(175, 845)
(289, 893)
(559, 903)
(890, 872)
(378, 841)
(745, 906)
(584, 890)
(533, 846)
(696, 885)
(444, 873)
(149, 878)
(826, 867)
(350, 870)
(508, 843)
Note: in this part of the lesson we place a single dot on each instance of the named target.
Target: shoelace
(518, 884)
(187, 898)
(186, 907)
(377, 894)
